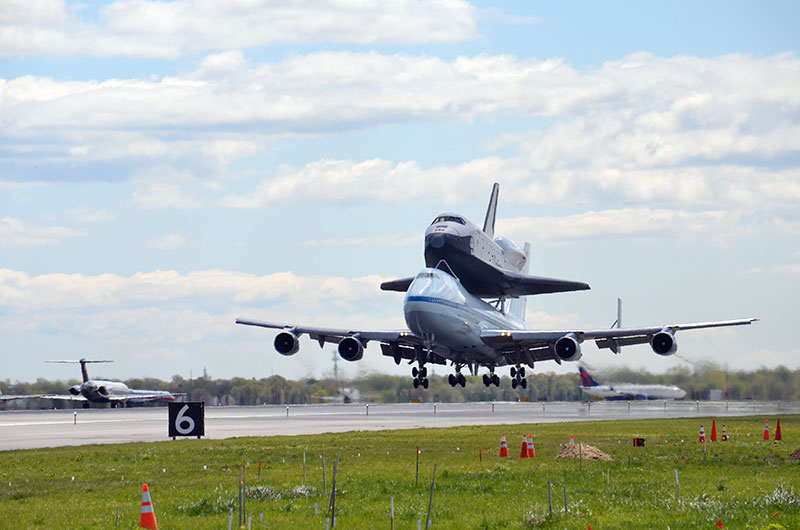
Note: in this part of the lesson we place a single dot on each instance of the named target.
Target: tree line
(773, 384)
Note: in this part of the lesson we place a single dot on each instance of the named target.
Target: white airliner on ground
(447, 323)
(628, 391)
(100, 391)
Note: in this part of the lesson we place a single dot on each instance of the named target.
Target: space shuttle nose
(437, 241)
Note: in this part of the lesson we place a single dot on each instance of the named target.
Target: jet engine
(663, 342)
(515, 256)
(75, 390)
(286, 343)
(351, 349)
(568, 348)
(103, 391)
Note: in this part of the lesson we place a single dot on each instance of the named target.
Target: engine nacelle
(351, 349)
(567, 348)
(663, 342)
(286, 343)
(75, 390)
(103, 391)
(515, 256)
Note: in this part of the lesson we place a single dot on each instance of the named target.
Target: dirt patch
(587, 451)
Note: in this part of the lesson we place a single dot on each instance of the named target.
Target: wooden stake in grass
(677, 484)
(304, 469)
(332, 507)
(430, 501)
(565, 500)
(259, 470)
(550, 496)
(391, 510)
(416, 477)
(324, 482)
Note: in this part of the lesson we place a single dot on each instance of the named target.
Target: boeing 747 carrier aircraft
(449, 323)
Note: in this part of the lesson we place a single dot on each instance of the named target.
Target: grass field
(744, 483)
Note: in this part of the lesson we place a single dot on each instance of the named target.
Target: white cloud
(640, 128)
(17, 233)
(141, 28)
(168, 242)
(61, 291)
(711, 225)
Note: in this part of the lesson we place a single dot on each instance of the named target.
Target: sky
(167, 167)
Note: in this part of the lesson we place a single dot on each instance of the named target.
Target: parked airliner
(100, 391)
(628, 391)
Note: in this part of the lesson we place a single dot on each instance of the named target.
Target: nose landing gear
(420, 376)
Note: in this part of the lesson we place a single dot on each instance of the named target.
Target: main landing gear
(420, 376)
(491, 378)
(518, 377)
(457, 379)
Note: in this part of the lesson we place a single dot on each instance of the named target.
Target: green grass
(743, 482)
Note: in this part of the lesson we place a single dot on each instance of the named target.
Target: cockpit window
(449, 219)
(426, 275)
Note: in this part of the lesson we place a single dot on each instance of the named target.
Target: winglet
(491, 212)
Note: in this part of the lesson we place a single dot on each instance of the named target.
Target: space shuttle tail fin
(518, 306)
(491, 212)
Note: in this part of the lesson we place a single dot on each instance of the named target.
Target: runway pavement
(51, 428)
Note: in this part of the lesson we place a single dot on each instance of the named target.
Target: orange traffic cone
(571, 438)
(531, 452)
(503, 446)
(766, 429)
(148, 516)
(713, 430)
(778, 435)
(724, 434)
(702, 439)
(523, 453)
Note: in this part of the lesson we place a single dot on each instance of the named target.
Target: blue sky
(167, 167)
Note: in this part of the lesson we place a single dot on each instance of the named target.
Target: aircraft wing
(12, 397)
(401, 284)
(530, 345)
(399, 344)
(489, 281)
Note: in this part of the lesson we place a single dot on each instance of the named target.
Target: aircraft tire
(416, 383)
(524, 383)
(414, 372)
(424, 383)
(423, 372)
(486, 380)
(513, 372)
(451, 379)
(513, 383)
(462, 380)
(522, 372)
(496, 379)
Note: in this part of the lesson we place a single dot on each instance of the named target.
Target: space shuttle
(486, 266)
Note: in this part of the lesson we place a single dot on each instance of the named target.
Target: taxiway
(51, 428)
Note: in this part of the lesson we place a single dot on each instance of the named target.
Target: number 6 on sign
(181, 419)
(186, 419)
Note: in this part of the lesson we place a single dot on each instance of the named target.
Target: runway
(52, 428)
